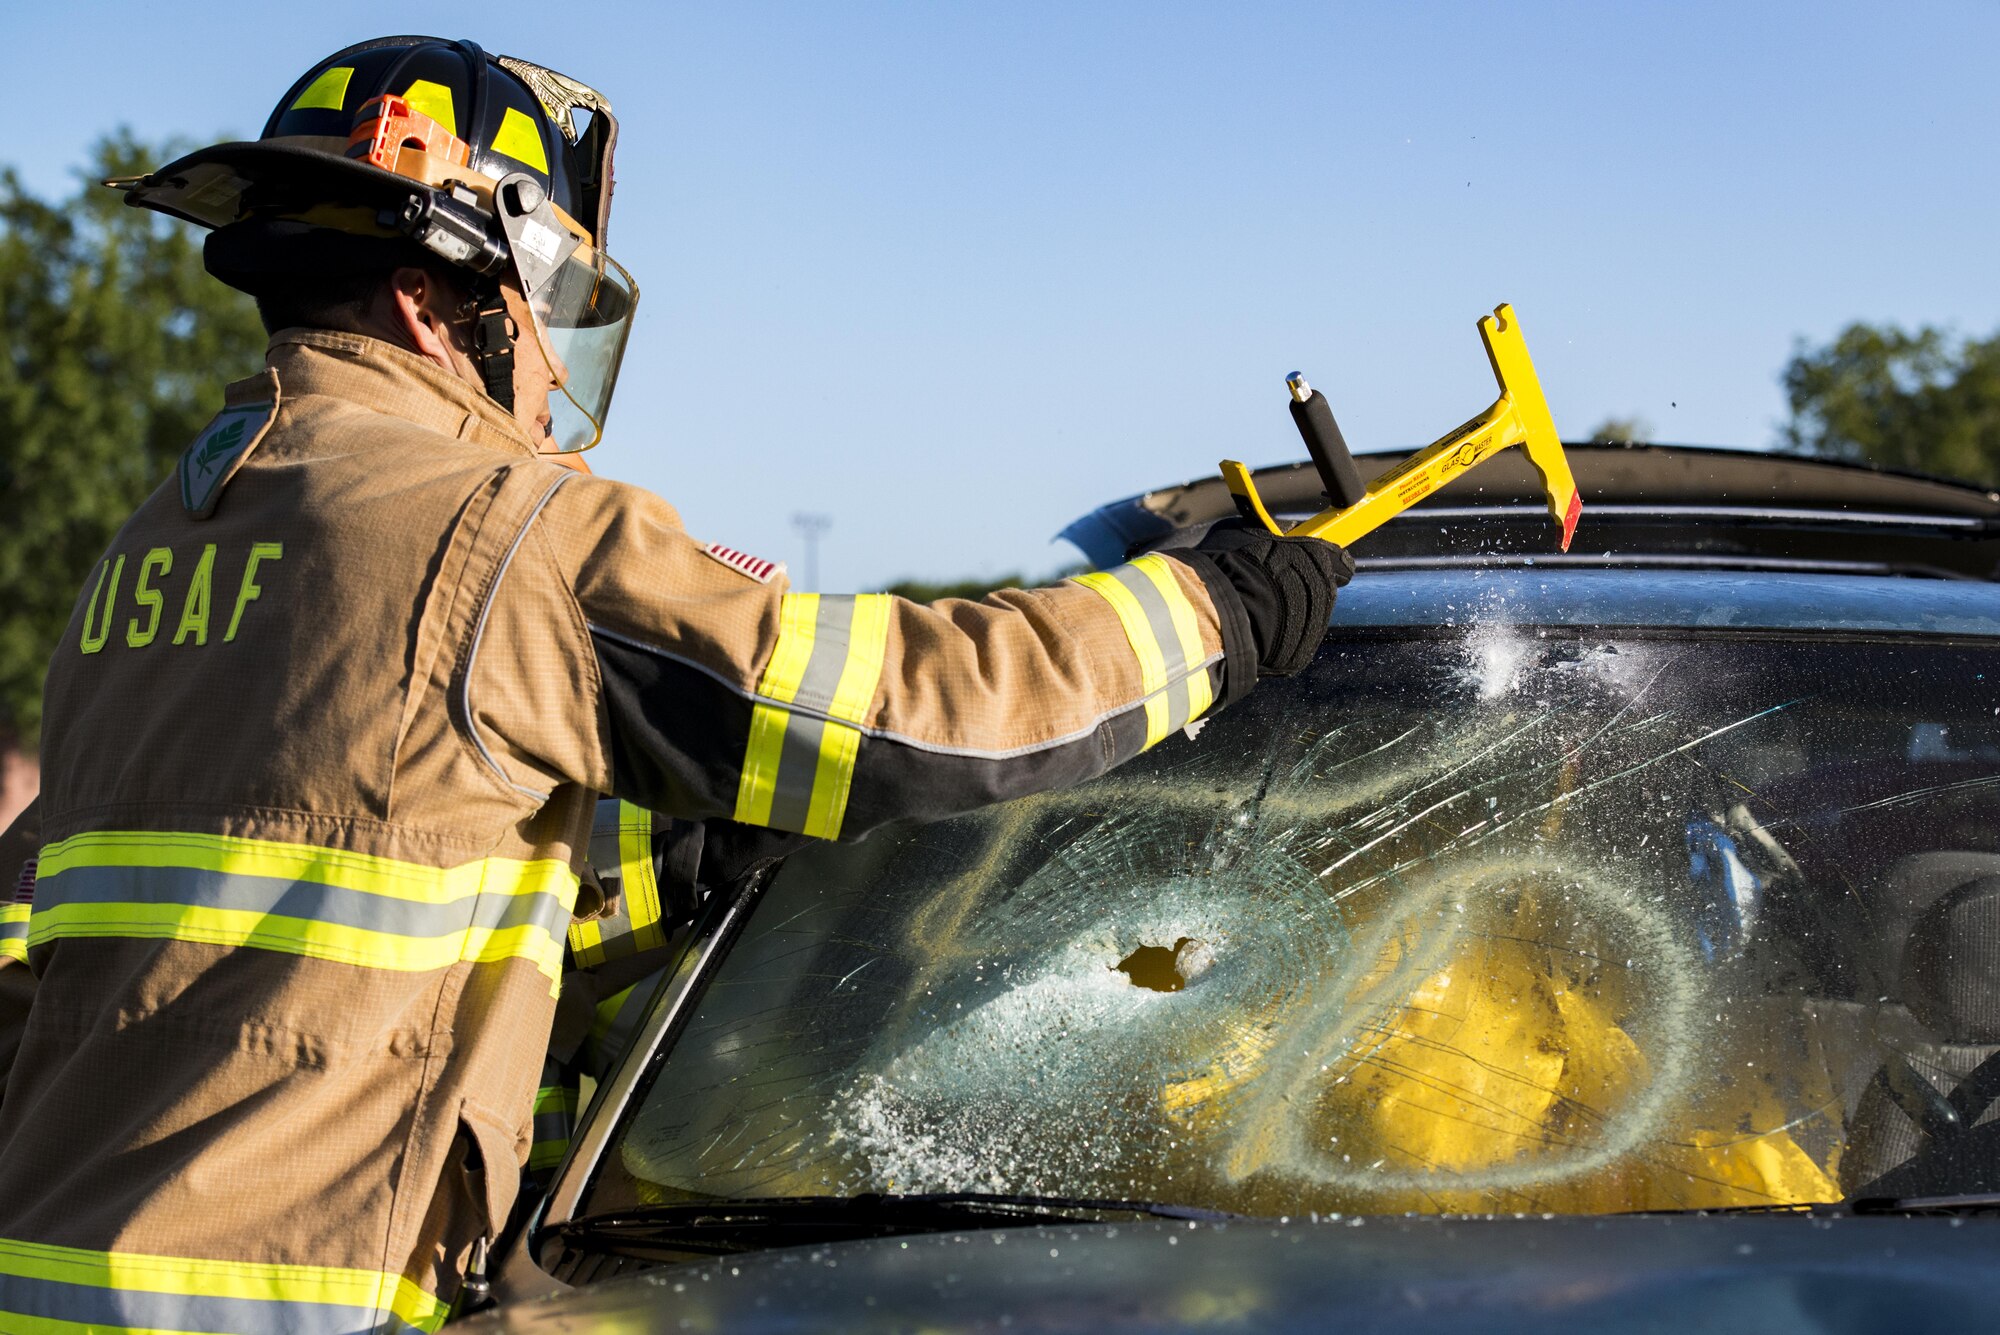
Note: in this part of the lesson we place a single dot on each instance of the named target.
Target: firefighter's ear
(422, 310)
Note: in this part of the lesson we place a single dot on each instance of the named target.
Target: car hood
(1577, 1274)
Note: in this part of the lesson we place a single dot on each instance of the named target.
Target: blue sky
(953, 274)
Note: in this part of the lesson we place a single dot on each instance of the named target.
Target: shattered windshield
(1456, 921)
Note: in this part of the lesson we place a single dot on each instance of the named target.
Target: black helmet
(405, 147)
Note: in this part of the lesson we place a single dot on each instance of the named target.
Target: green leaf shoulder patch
(209, 463)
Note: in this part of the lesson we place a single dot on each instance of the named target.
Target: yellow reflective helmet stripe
(622, 840)
(805, 733)
(433, 100)
(326, 93)
(520, 139)
(322, 903)
(14, 932)
(1164, 631)
(72, 1289)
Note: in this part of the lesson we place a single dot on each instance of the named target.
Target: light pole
(810, 526)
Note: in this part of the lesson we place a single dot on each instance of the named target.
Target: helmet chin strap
(493, 336)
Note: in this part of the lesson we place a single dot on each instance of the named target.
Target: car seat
(1913, 1131)
(1909, 886)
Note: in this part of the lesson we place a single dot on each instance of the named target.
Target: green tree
(1620, 431)
(1923, 400)
(930, 591)
(116, 347)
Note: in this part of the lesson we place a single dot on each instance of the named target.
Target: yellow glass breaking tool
(1520, 416)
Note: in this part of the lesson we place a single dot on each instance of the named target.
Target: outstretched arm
(717, 691)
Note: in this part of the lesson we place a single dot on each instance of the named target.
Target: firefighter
(324, 735)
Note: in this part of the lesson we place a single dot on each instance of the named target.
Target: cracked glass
(1486, 919)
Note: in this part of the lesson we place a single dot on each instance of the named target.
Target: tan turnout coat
(319, 767)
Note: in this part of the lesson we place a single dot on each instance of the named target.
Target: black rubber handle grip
(1328, 449)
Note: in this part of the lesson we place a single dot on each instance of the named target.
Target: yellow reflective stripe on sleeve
(68, 1288)
(323, 903)
(798, 629)
(867, 645)
(586, 939)
(586, 943)
(758, 786)
(833, 779)
(554, 1120)
(621, 851)
(1187, 629)
(555, 1098)
(14, 932)
(1164, 632)
(642, 883)
(1145, 647)
(798, 764)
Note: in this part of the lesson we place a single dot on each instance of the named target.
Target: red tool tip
(1570, 517)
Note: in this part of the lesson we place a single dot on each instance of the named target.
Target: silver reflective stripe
(798, 757)
(92, 1308)
(1160, 621)
(798, 769)
(832, 628)
(605, 854)
(278, 896)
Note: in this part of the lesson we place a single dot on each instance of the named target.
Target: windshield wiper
(1964, 1202)
(723, 1226)
(1967, 1202)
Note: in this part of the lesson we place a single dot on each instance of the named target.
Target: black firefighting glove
(1286, 586)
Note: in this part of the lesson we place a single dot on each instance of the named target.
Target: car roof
(1485, 599)
(1672, 506)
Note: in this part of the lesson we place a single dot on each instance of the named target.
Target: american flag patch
(756, 567)
(24, 889)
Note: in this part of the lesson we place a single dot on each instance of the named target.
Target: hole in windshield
(1166, 968)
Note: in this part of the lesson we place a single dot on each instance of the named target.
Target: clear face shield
(583, 316)
(581, 303)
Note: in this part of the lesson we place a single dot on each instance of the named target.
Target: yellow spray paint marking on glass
(326, 93)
